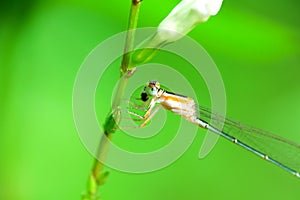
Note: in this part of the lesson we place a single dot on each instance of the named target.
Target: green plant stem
(97, 176)
(133, 19)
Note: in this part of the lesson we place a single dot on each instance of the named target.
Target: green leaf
(102, 178)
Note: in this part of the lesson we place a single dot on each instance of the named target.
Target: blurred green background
(255, 44)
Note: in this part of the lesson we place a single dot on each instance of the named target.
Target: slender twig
(97, 176)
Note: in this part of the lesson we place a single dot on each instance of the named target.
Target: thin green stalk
(97, 176)
(132, 24)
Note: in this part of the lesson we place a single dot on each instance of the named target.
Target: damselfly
(275, 149)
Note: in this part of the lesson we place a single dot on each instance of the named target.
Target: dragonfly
(275, 149)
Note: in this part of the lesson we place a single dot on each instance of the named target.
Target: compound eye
(144, 96)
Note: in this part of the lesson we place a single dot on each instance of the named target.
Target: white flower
(185, 16)
(181, 20)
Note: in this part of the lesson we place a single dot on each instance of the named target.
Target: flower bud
(185, 16)
(181, 20)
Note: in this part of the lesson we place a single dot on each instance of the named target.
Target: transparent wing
(282, 150)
